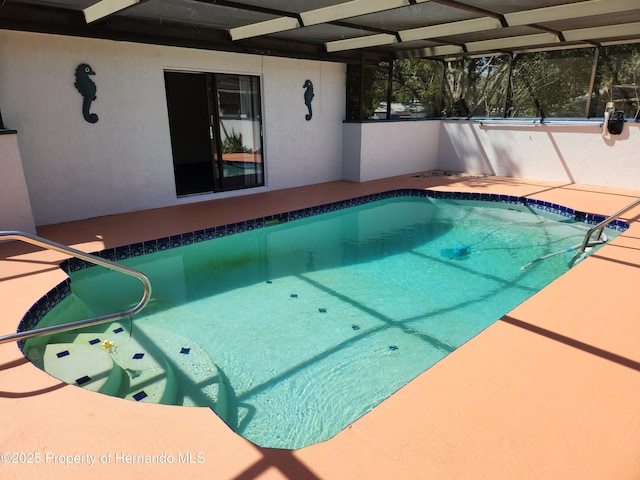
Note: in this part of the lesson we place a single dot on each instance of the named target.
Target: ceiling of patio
(336, 30)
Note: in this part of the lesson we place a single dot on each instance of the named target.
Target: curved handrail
(599, 228)
(50, 245)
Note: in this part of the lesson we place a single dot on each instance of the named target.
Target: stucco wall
(564, 153)
(123, 162)
(375, 150)
(15, 206)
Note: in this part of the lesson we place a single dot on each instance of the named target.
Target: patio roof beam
(447, 29)
(607, 32)
(491, 21)
(106, 8)
(361, 42)
(333, 13)
(569, 11)
(511, 43)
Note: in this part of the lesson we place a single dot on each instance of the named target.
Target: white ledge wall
(562, 153)
(374, 150)
(15, 206)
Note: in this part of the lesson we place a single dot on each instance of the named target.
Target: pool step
(82, 365)
(149, 377)
(202, 383)
(146, 376)
(142, 367)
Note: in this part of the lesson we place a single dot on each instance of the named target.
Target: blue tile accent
(109, 254)
(210, 233)
(63, 353)
(199, 236)
(136, 249)
(122, 253)
(138, 356)
(94, 341)
(163, 244)
(118, 330)
(187, 238)
(140, 395)
(185, 350)
(150, 247)
(83, 380)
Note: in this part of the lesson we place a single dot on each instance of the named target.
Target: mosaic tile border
(43, 306)
(51, 299)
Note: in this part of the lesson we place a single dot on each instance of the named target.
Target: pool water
(307, 325)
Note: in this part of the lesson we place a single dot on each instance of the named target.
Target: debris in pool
(294, 295)
(140, 395)
(322, 310)
(185, 350)
(355, 327)
(462, 250)
(108, 344)
(138, 356)
(393, 347)
(269, 281)
(83, 380)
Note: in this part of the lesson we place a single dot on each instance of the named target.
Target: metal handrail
(600, 227)
(50, 245)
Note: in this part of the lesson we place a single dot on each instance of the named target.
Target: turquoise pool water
(307, 325)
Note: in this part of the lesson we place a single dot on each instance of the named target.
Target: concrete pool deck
(550, 391)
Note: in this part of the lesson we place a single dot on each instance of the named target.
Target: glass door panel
(215, 125)
(240, 130)
(191, 135)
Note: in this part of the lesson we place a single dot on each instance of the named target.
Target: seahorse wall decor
(87, 89)
(308, 97)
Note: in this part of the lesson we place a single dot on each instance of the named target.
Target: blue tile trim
(43, 306)
(46, 303)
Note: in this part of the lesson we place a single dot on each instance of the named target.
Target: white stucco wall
(123, 162)
(15, 206)
(564, 153)
(302, 152)
(374, 150)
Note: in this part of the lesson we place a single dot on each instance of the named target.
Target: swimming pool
(306, 325)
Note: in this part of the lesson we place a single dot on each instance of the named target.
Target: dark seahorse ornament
(308, 97)
(87, 89)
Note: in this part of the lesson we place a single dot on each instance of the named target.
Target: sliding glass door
(216, 131)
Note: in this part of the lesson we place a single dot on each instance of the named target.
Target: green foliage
(475, 87)
(551, 84)
(539, 84)
(233, 143)
(618, 80)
